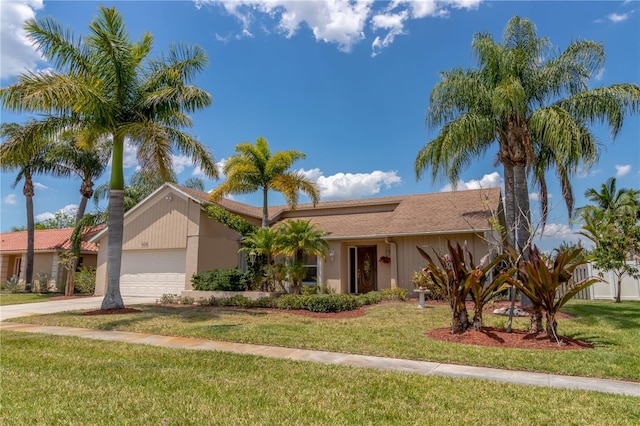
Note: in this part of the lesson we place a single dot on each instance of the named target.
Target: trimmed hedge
(310, 302)
(220, 280)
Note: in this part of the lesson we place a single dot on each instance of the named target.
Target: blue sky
(346, 82)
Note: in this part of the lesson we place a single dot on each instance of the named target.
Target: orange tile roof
(45, 240)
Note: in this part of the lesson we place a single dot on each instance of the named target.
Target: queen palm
(119, 93)
(255, 168)
(23, 149)
(535, 105)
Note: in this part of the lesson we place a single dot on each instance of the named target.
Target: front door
(366, 269)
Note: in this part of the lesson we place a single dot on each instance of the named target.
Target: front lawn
(395, 330)
(20, 298)
(66, 380)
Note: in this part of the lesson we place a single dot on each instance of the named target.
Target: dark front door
(366, 269)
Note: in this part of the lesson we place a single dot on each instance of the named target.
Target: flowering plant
(384, 259)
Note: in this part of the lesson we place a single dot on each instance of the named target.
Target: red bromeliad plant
(540, 280)
(456, 277)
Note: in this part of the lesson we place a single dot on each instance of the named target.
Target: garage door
(152, 272)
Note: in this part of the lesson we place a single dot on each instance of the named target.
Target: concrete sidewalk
(362, 361)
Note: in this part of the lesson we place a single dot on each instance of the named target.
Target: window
(311, 263)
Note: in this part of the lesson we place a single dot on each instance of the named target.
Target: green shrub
(169, 299)
(231, 279)
(370, 298)
(310, 289)
(42, 281)
(239, 300)
(266, 302)
(397, 293)
(331, 303)
(291, 301)
(85, 280)
(13, 285)
(186, 300)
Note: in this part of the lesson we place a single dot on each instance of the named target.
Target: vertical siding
(411, 261)
(162, 226)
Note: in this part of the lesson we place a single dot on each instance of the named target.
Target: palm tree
(118, 93)
(610, 200)
(87, 164)
(255, 168)
(298, 238)
(536, 107)
(24, 149)
(262, 246)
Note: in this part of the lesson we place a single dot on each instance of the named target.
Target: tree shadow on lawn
(625, 316)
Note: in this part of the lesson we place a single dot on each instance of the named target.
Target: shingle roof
(421, 214)
(45, 240)
(442, 212)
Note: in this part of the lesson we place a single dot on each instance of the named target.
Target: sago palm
(117, 92)
(535, 106)
(255, 168)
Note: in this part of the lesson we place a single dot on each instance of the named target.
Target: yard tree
(255, 168)
(612, 224)
(117, 91)
(24, 149)
(297, 239)
(536, 105)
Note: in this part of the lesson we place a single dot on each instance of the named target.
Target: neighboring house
(49, 244)
(168, 238)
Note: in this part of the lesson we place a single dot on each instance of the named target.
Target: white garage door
(152, 272)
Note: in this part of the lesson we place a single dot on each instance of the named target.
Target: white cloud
(488, 181)
(180, 162)
(535, 196)
(341, 22)
(130, 158)
(16, 51)
(38, 185)
(556, 233)
(68, 210)
(599, 74)
(617, 17)
(197, 171)
(11, 199)
(582, 173)
(352, 185)
(622, 170)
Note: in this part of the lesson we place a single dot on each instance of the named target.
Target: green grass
(72, 381)
(20, 298)
(395, 330)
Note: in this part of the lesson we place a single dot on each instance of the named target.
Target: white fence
(630, 287)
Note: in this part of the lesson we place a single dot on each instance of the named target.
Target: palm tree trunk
(81, 208)
(113, 298)
(265, 208)
(523, 215)
(28, 192)
(509, 204)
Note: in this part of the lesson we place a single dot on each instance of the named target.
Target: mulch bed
(489, 336)
(112, 311)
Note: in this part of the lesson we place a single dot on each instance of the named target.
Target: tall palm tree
(610, 200)
(535, 105)
(87, 164)
(298, 238)
(117, 92)
(24, 149)
(255, 168)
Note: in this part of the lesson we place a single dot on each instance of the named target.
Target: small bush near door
(220, 280)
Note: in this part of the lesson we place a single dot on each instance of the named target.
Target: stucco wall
(405, 258)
